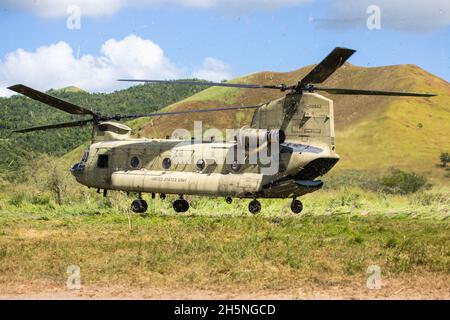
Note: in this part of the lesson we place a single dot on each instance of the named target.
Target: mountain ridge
(411, 131)
(372, 133)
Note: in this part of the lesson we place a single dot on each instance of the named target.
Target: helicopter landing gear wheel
(139, 206)
(296, 206)
(254, 207)
(181, 205)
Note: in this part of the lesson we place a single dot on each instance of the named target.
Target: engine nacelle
(254, 138)
(107, 131)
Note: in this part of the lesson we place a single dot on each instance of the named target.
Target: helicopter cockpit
(80, 166)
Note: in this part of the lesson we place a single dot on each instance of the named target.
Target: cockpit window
(85, 156)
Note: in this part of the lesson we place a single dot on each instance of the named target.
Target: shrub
(346, 199)
(429, 199)
(445, 159)
(352, 178)
(49, 175)
(401, 182)
(40, 199)
(17, 199)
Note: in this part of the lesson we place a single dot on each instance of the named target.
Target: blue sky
(211, 40)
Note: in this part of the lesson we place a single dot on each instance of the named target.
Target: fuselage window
(200, 164)
(103, 160)
(134, 162)
(167, 163)
(236, 166)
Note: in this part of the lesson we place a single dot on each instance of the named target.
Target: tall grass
(340, 233)
(433, 203)
(216, 251)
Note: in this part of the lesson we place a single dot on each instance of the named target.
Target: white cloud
(4, 92)
(214, 70)
(58, 8)
(405, 15)
(55, 66)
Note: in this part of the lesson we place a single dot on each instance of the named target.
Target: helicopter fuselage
(115, 161)
(147, 166)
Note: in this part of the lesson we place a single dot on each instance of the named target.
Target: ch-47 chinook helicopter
(301, 124)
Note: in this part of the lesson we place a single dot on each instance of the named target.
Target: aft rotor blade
(184, 112)
(56, 126)
(328, 66)
(209, 84)
(372, 92)
(51, 100)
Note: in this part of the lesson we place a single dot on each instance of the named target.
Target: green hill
(21, 112)
(373, 133)
(70, 89)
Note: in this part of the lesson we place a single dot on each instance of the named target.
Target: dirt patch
(404, 287)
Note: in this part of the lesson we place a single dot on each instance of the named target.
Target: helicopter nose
(77, 169)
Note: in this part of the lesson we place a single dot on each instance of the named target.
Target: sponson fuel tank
(187, 183)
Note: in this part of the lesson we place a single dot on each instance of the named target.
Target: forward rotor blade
(183, 112)
(328, 66)
(209, 84)
(372, 92)
(50, 100)
(56, 126)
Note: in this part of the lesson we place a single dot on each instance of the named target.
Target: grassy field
(221, 249)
